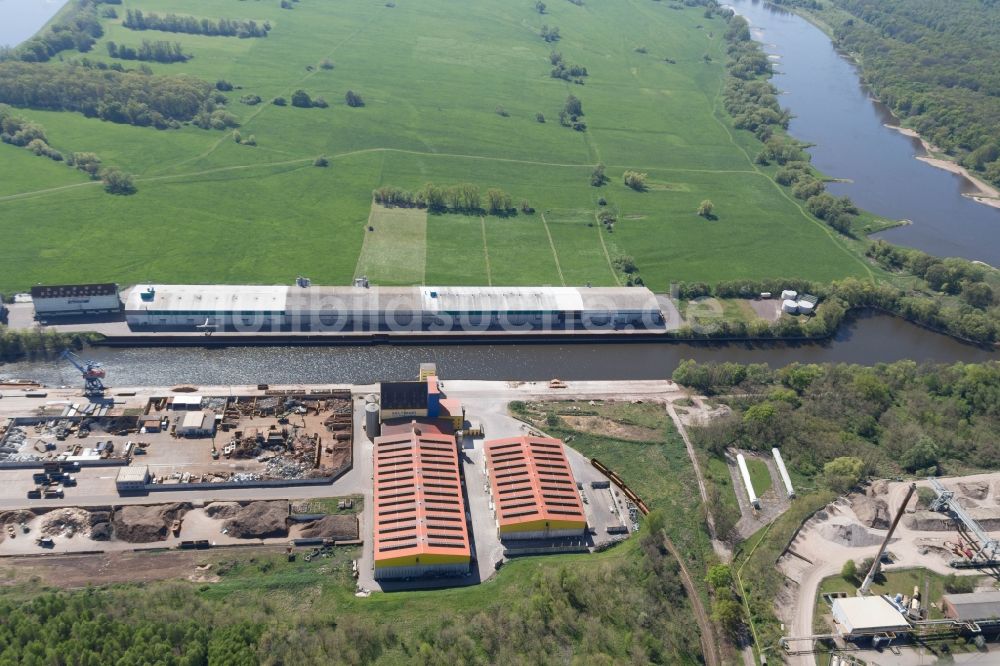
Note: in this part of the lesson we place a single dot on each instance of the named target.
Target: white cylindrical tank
(805, 307)
(373, 426)
(745, 473)
(790, 306)
(783, 471)
(789, 294)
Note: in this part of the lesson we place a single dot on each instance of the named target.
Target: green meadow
(433, 75)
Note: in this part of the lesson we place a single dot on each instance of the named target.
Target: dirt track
(79, 571)
(708, 642)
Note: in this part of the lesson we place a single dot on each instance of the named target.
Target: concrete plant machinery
(877, 564)
(946, 503)
(91, 371)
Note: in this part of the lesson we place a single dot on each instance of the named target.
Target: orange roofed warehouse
(419, 512)
(533, 490)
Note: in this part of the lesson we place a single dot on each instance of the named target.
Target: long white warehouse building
(419, 308)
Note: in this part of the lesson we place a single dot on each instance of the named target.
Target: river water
(867, 340)
(20, 19)
(834, 111)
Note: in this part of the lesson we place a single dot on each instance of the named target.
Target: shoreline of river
(987, 196)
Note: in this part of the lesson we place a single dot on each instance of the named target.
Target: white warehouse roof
(212, 299)
(133, 474)
(867, 614)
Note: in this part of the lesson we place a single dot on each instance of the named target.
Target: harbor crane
(91, 371)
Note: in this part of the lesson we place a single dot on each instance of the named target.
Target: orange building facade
(419, 513)
(533, 491)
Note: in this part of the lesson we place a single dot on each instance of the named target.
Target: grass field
(432, 76)
(760, 477)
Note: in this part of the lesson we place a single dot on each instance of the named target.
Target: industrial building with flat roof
(974, 606)
(75, 299)
(361, 308)
(533, 491)
(866, 616)
(420, 526)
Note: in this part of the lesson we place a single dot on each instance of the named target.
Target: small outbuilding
(150, 422)
(187, 401)
(972, 607)
(867, 616)
(197, 424)
(132, 478)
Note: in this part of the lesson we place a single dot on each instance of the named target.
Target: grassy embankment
(209, 209)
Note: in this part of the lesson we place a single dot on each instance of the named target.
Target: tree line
(749, 97)
(130, 97)
(159, 51)
(36, 344)
(224, 27)
(461, 198)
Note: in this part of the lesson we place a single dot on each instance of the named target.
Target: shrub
(301, 99)
(117, 181)
(635, 180)
(353, 99)
(321, 161)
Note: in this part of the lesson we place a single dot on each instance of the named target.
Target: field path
(555, 255)
(486, 252)
(607, 255)
(707, 635)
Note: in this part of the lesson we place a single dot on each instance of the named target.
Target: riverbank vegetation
(836, 426)
(934, 64)
(953, 296)
(38, 344)
(261, 203)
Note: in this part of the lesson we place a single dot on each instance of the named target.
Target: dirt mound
(16, 517)
(343, 527)
(871, 512)
(851, 535)
(967, 503)
(879, 487)
(259, 520)
(142, 524)
(66, 522)
(977, 490)
(100, 532)
(222, 510)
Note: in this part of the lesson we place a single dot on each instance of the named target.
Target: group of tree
(565, 71)
(250, 140)
(224, 27)
(78, 28)
(550, 35)
(159, 51)
(304, 100)
(950, 276)
(571, 114)
(461, 198)
(131, 97)
(935, 65)
(597, 176)
(17, 131)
